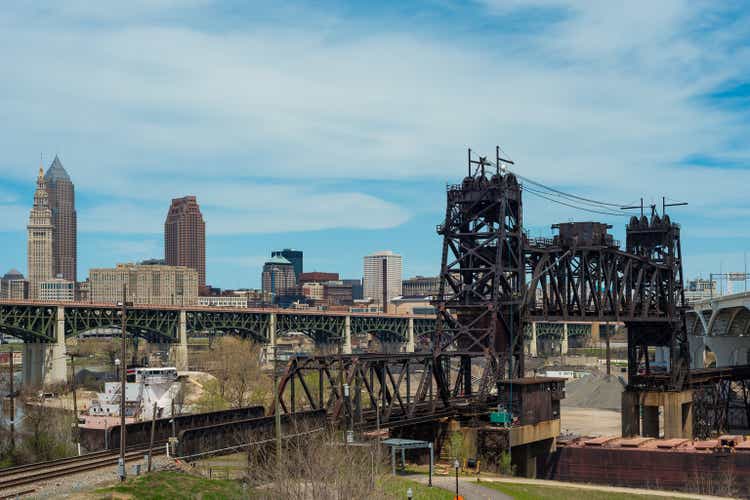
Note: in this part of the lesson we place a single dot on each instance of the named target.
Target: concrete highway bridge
(720, 326)
(43, 327)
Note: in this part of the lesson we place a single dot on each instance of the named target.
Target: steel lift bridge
(494, 279)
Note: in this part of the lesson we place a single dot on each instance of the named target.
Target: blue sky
(333, 127)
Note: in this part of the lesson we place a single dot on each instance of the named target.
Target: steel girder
(424, 327)
(323, 329)
(482, 272)
(394, 388)
(154, 325)
(386, 329)
(30, 323)
(595, 284)
(252, 324)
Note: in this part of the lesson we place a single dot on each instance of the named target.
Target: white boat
(152, 385)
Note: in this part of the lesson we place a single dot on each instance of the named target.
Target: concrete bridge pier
(564, 341)
(178, 353)
(46, 363)
(347, 348)
(532, 345)
(677, 407)
(410, 335)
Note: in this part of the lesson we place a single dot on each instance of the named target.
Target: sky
(334, 127)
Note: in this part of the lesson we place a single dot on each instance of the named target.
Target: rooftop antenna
(634, 206)
(499, 161)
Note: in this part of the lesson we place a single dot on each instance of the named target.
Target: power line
(562, 193)
(585, 209)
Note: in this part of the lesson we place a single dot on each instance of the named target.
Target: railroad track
(22, 475)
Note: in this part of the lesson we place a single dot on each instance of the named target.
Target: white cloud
(603, 101)
(246, 208)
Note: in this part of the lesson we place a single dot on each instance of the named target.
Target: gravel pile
(594, 391)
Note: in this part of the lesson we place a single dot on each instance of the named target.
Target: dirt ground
(590, 421)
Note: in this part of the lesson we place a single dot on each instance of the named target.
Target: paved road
(467, 487)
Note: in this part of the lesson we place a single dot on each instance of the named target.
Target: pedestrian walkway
(467, 487)
(470, 489)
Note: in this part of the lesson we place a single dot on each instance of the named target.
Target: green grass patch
(173, 485)
(395, 487)
(534, 492)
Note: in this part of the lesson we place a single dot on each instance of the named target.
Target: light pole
(456, 465)
(123, 370)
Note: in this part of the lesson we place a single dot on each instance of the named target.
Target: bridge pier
(533, 345)
(46, 363)
(347, 348)
(564, 341)
(595, 334)
(178, 353)
(271, 347)
(677, 407)
(410, 335)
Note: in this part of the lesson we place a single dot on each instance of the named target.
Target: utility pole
(123, 370)
(276, 405)
(73, 356)
(12, 403)
(151, 439)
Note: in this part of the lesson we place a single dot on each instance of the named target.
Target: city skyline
(342, 174)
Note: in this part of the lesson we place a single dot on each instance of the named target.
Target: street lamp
(456, 465)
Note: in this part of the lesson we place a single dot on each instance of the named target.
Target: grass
(177, 485)
(534, 492)
(395, 487)
(173, 485)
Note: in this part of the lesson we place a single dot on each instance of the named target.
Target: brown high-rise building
(185, 236)
(62, 202)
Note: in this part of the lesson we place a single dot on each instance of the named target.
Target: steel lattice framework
(152, 324)
(482, 272)
(254, 325)
(377, 383)
(35, 322)
(494, 278)
(29, 323)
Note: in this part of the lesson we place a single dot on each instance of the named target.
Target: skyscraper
(382, 277)
(61, 194)
(278, 278)
(293, 256)
(185, 236)
(39, 253)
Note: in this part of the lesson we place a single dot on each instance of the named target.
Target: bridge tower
(658, 239)
(482, 271)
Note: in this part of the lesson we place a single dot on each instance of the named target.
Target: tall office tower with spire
(185, 236)
(40, 229)
(62, 202)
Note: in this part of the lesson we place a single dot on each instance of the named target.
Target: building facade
(700, 289)
(57, 290)
(185, 236)
(62, 202)
(317, 277)
(314, 291)
(14, 286)
(338, 293)
(356, 284)
(278, 278)
(293, 256)
(231, 301)
(40, 234)
(421, 286)
(382, 277)
(152, 284)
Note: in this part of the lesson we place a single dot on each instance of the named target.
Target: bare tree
(315, 465)
(240, 381)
